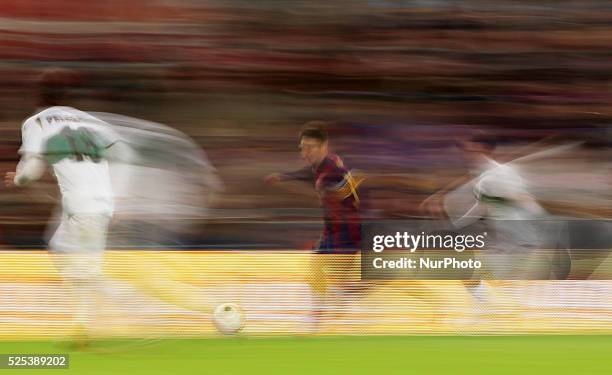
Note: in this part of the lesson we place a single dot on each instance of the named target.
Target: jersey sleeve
(31, 137)
(305, 174)
(110, 137)
(502, 183)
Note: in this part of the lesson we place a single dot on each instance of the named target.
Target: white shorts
(78, 244)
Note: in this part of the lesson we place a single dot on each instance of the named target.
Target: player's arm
(31, 167)
(305, 174)
(297, 177)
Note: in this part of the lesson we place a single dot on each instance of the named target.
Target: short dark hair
(316, 130)
(54, 82)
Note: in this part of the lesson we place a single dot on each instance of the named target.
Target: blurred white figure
(165, 187)
(146, 173)
(508, 196)
(502, 194)
(152, 178)
(498, 192)
(75, 145)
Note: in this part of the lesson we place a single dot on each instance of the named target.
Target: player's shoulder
(40, 114)
(501, 176)
(51, 110)
(34, 120)
(62, 114)
(491, 167)
(333, 161)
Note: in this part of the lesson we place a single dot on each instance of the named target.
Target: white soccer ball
(228, 318)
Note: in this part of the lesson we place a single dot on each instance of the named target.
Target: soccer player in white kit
(497, 192)
(503, 198)
(75, 145)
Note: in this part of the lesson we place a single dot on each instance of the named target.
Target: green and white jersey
(74, 143)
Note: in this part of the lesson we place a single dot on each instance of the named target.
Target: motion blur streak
(271, 287)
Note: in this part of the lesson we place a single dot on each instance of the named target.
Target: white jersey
(73, 143)
(500, 195)
(502, 188)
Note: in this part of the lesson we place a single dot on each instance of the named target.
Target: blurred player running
(75, 145)
(85, 152)
(338, 192)
(497, 192)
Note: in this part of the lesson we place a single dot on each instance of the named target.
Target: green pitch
(335, 355)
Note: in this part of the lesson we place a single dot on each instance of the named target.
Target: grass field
(336, 355)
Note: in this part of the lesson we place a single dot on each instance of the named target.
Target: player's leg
(78, 247)
(334, 280)
(317, 280)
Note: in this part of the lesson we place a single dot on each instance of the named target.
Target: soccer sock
(86, 294)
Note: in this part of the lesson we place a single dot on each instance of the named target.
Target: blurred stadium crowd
(399, 81)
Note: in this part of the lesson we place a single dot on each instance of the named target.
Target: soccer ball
(228, 318)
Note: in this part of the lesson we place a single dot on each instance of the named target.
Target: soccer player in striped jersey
(337, 189)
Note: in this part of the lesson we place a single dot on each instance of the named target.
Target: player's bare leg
(78, 254)
(335, 283)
